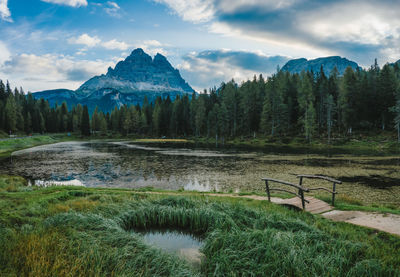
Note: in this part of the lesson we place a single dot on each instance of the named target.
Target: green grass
(74, 231)
(10, 145)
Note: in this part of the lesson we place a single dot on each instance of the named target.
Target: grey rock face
(327, 63)
(133, 79)
(139, 72)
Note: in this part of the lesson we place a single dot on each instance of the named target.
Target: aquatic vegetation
(187, 167)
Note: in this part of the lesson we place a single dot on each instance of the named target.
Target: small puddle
(184, 245)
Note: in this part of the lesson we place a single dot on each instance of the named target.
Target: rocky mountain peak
(139, 72)
(315, 65)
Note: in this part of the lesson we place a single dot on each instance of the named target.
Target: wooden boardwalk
(315, 206)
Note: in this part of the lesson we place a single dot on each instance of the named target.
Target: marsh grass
(73, 231)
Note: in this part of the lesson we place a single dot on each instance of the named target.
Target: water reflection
(179, 243)
(115, 165)
(183, 166)
(41, 183)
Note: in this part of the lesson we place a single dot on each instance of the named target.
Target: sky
(50, 44)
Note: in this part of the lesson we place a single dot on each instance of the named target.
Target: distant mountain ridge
(327, 63)
(139, 75)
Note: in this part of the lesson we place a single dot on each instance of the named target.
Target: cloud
(195, 11)
(211, 67)
(114, 44)
(5, 13)
(94, 41)
(322, 27)
(86, 40)
(51, 71)
(71, 3)
(4, 53)
(153, 47)
(112, 9)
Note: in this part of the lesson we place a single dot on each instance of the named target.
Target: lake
(173, 166)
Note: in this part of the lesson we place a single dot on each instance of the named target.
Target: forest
(310, 105)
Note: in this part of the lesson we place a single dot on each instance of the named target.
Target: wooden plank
(315, 206)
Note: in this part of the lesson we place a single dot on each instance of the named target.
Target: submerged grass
(59, 231)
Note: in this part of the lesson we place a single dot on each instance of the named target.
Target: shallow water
(182, 244)
(369, 179)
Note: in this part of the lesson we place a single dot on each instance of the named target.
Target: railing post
(333, 193)
(267, 190)
(303, 204)
(301, 192)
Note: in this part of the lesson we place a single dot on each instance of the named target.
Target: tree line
(308, 104)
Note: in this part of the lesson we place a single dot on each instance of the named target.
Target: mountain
(327, 63)
(139, 75)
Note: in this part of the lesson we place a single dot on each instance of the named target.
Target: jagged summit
(139, 72)
(132, 79)
(327, 63)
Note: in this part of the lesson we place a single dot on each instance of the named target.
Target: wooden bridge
(309, 204)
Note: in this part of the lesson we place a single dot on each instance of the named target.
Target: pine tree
(387, 94)
(346, 101)
(396, 111)
(10, 112)
(330, 108)
(223, 122)
(85, 123)
(306, 104)
(200, 115)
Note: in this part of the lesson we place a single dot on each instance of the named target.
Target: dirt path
(385, 222)
(389, 223)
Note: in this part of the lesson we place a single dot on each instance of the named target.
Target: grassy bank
(80, 231)
(10, 145)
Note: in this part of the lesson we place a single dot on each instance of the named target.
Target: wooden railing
(301, 189)
(300, 193)
(325, 178)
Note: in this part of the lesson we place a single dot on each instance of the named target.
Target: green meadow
(77, 231)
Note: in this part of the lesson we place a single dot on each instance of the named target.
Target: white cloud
(35, 72)
(357, 29)
(94, 41)
(4, 53)
(85, 39)
(5, 13)
(353, 22)
(200, 11)
(115, 45)
(195, 10)
(72, 3)
(209, 68)
(203, 74)
(112, 9)
(153, 42)
(152, 47)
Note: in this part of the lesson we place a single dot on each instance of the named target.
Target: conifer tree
(10, 111)
(85, 123)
